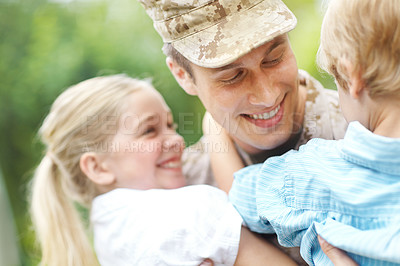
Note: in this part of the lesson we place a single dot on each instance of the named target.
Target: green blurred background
(46, 46)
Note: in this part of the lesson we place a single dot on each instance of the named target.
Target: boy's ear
(182, 76)
(355, 84)
(93, 167)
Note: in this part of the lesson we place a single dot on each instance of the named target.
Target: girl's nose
(174, 141)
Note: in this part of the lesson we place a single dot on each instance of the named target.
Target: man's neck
(259, 156)
(246, 147)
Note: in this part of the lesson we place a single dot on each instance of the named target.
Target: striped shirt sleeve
(243, 197)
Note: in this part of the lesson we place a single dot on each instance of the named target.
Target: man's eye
(274, 61)
(234, 79)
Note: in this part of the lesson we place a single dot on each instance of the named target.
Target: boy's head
(362, 38)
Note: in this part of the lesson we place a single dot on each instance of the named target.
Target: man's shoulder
(197, 165)
(195, 152)
(323, 117)
(316, 92)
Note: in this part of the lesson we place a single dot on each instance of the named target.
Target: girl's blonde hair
(76, 124)
(367, 34)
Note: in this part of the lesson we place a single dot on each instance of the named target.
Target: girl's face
(146, 151)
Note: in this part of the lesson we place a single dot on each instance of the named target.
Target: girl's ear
(182, 76)
(355, 84)
(93, 167)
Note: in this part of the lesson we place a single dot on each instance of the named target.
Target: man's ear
(355, 84)
(182, 76)
(93, 167)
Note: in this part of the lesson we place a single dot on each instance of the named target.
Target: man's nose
(264, 91)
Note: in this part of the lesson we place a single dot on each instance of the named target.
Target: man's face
(256, 98)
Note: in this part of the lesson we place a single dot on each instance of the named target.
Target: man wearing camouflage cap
(236, 57)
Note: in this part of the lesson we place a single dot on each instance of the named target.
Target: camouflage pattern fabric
(214, 33)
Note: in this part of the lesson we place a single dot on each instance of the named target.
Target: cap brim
(236, 35)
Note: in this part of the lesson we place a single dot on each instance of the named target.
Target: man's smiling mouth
(266, 115)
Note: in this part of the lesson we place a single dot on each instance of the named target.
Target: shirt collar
(361, 146)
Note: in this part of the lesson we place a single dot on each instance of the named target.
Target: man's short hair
(182, 61)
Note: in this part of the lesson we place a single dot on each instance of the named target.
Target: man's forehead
(268, 47)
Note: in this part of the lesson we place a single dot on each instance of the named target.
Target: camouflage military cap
(214, 33)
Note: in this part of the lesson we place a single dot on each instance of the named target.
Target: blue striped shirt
(347, 191)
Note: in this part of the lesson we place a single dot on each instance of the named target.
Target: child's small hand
(337, 256)
(207, 262)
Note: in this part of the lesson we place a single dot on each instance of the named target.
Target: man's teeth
(266, 115)
(172, 165)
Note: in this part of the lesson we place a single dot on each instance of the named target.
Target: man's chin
(254, 146)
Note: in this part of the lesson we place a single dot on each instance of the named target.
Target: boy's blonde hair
(367, 34)
(75, 125)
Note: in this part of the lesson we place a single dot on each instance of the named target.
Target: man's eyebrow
(228, 67)
(278, 41)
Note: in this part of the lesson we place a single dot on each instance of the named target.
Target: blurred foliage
(47, 46)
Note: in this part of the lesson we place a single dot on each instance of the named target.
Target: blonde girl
(72, 128)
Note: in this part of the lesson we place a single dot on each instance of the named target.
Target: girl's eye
(173, 126)
(149, 131)
(234, 79)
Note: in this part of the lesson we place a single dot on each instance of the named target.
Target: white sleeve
(203, 224)
(166, 227)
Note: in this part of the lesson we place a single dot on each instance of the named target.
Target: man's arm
(254, 250)
(337, 256)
